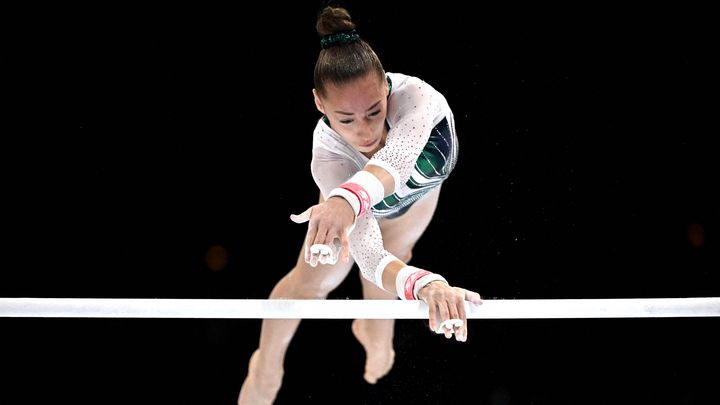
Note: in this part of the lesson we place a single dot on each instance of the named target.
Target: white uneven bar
(352, 309)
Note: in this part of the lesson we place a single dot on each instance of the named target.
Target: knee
(310, 292)
(315, 282)
(306, 288)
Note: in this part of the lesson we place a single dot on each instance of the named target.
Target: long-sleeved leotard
(420, 152)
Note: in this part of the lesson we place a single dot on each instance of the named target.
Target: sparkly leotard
(420, 152)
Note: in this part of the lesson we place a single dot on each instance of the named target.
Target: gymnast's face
(357, 111)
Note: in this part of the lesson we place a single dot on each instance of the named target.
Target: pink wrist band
(362, 191)
(361, 194)
(411, 279)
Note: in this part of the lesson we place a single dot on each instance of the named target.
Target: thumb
(473, 297)
(304, 217)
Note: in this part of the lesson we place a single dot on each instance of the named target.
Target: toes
(370, 379)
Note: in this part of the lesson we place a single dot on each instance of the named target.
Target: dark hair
(343, 60)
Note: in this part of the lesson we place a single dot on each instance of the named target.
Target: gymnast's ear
(318, 102)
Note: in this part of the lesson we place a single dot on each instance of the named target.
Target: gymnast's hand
(330, 222)
(446, 308)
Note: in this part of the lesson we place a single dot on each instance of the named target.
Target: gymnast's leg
(399, 236)
(265, 370)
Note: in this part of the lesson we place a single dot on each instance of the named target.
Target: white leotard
(420, 152)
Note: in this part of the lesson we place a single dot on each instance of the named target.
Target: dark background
(585, 171)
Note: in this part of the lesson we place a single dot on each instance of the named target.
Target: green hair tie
(339, 38)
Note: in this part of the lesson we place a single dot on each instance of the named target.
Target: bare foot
(261, 385)
(379, 356)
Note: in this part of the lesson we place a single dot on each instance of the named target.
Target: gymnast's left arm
(446, 304)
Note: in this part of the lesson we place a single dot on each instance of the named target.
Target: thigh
(400, 234)
(320, 279)
(323, 278)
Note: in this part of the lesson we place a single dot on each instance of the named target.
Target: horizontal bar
(352, 309)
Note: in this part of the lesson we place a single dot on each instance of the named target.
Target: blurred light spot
(499, 396)
(216, 258)
(696, 235)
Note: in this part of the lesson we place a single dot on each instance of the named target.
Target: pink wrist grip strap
(362, 196)
(362, 191)
(411, 279)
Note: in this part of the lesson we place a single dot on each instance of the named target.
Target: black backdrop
(585, 171)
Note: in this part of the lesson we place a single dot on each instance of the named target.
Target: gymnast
(381, 150)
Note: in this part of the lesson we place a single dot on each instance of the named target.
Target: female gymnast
(381, 150)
